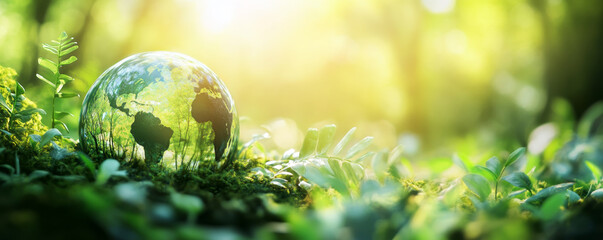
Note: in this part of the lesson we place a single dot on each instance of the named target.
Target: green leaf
(358, 147)
(45, 80)
(549, 191)
(69, 60)
(37, 174)
(67, 45)
(4, 104)
(478, 185)
(50, 48)
(65, 78)
(344, 141)
(519, 179)
(49, 135)
(68, 50)
(594, 169)
(572, 197)
(107, 169)
(395, 155)
(325, 138)
(66, 95)
(187, 203)
(516, 193)
(597, 194)
(310, 142)
(63, 36)
(337, 170)
(66, 41)
(364, 156)
(62, 124)
(514, 156)
(20, 89)
(6, 132)
(48, 64)
(552, 206)
(351, 173)
(279, 182)
(61, 115)
(314, 175)
(87, 162)
(379, 165)
(494, 165)
(457, 160)
(485, 172)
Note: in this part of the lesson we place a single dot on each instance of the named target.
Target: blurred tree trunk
(572, 53)
(406, 42)
(29, 66)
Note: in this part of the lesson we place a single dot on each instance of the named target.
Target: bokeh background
(418, 72)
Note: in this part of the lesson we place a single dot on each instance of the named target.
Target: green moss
(20, 130)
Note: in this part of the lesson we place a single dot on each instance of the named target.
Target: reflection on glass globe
(160, 107)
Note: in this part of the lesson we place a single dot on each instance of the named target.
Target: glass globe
(160, 107)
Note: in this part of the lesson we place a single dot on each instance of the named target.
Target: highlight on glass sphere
(160, 108)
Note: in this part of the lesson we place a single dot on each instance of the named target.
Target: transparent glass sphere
(160, 107)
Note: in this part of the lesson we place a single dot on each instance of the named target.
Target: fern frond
(60, 48)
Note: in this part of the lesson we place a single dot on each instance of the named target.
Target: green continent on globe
(160, 107)
(204, 109)
(155, 142)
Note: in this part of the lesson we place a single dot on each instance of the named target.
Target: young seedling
(495, 169)
(60, 48)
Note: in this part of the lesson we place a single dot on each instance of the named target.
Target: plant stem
(56, 81)
(498, 180)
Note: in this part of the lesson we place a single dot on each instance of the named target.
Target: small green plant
(477, 182)
(61, 48)
(316, 164)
